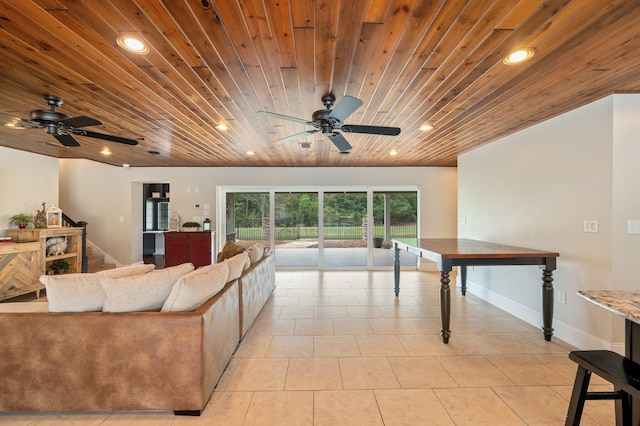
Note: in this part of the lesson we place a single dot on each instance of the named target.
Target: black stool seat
(623, 373)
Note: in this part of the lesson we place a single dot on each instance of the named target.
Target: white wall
(26, 181)
(535, 189)
(103, 195)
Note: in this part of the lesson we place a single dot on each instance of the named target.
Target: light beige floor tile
(253, 346)
(351, 326)
(290, 347)
(224, 408)
(363, 312)
(330, 312)
(281, 408)
(312, 301)
(272, 327)
(471, 344)
(326, 292)
(424, 325)
(390, 326)
(549, 408)
(299, 292)
(415, 407)
(367, 373)
(138, 418)
(421, 372)
(424, 345)
(477, 406)
(343, 301)
(335, 346)
(280, 300)
(380, 345)
(525, 370)
(313, 374)
(474, 371)
(296, 312)
(18, 418)
(391, 311)
(256, 374)
(313, 327)
(346, 408)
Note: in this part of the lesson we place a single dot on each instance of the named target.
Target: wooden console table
(19, 269)
(450, 252)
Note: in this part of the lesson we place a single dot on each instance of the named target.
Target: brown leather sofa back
(117, 361)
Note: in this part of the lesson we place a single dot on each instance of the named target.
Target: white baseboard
(565, 332)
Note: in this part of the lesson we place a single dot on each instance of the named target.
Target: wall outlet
(196, 205)
(562, 297)
(591, 226)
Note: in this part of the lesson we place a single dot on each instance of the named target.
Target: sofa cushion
(193, 289)
(83, 292)
(229, 250)
(146, 292)
(236, 265)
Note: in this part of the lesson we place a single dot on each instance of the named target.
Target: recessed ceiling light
(105, 151)
(132, 44)
(250, 153)
(426, 127)
(519, 56)
(393, 152)
(126, 165)
(222, 127)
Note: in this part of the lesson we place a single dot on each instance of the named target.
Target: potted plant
(191, 226)
(59, 267)
(21, 220)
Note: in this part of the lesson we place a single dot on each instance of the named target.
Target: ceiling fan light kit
(330, 122)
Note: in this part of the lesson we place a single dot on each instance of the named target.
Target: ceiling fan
(329, 121)
(62, 126)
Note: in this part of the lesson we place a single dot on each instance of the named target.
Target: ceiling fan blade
(371, 130)
(347, 106)
(339, 141)
(102, 136)
(297, 136)
(285, 117)
(66, 139)
(81, 121)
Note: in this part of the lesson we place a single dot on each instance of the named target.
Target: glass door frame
(221, 195)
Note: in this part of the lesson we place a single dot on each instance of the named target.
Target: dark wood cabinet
(195, 247)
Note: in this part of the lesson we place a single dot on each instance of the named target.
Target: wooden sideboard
(195, 247)
(19, 269)
(22, 263)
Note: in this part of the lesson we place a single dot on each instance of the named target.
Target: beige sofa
(97, 361)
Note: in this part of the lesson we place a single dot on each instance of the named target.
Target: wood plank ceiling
(211, 62)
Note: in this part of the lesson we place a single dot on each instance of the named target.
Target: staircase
(96, 261)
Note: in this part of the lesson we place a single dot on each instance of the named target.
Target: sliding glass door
(324, 228)
(344, 234)
(296, 229)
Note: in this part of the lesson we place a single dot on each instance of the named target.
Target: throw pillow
(195, 288)
(146, 292)
(73, 292)
(236, 265)
(83, 292)
(127, 271)
(255, 252)
(229, 250)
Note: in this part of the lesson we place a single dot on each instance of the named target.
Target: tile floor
(338, 348)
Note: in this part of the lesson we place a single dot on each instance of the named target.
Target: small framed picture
(54, 217)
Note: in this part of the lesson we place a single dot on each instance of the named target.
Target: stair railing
(68, 222)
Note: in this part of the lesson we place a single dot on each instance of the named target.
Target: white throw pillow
(146, 292)
(127, 271)
(236, 265)
(73, 292)
(83, 292)
(195, 288)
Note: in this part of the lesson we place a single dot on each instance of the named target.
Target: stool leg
(623, 408)
(576, 404)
